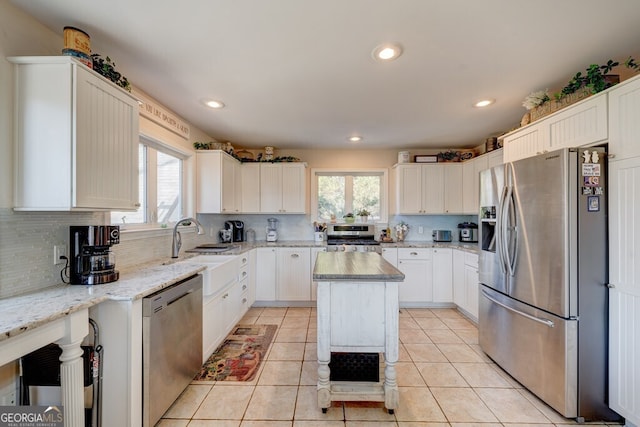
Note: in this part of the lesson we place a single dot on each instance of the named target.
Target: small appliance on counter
(468, 232)
(91, 261)
(237, 230)
(272, 230)
(441, 235)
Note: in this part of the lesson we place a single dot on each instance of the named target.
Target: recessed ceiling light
(387, 52)
(484, 103)
(355, 138)
(214, 104)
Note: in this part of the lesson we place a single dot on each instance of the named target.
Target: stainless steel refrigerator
(543, 274)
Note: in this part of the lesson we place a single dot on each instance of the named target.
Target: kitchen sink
(212, 248)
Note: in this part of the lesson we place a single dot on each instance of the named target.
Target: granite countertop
(25, 312)
(355, 267)
(29, 311)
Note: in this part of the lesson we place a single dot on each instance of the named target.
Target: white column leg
(72, 383)
(71, 372)
(391, 395)
(324, 344)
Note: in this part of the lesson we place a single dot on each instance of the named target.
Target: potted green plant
(363, 214)
(349, 218)
(107, 68)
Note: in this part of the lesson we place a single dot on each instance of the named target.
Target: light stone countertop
(25, 312)
(355, 267)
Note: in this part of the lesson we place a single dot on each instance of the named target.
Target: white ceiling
(299, 73)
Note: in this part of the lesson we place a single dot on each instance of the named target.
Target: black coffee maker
(91, 260)
(237, 230)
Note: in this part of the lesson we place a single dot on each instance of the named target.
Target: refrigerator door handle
(545, 322)
(499, 232)
(511, 233)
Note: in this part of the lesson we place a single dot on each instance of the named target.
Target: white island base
(358, 317)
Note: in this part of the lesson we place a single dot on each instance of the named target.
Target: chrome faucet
(177, 238)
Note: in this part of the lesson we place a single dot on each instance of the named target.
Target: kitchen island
(357, 307)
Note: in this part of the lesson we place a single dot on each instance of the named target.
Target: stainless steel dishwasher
(171, 345)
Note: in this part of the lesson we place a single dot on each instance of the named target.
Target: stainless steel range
(352, 238)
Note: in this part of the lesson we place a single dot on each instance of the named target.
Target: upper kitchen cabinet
(526, 142)
(427, 189)
(583, 123)
(76, 138)
(218, 182)
(250, 187)
(283, 188)
(624, 125)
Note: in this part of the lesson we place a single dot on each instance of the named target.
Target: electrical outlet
(420, 229)
(8, 399)
(59, 251)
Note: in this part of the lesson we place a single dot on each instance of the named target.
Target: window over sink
(160, 181)
(338, 192)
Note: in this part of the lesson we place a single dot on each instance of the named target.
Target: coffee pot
(226, 235)
(91, 261)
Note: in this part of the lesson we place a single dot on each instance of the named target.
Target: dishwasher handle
(179, 297)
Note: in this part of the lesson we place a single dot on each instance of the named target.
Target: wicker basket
(553, 105)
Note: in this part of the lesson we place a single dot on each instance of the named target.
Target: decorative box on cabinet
(218, 182)
(76, 138)
(283, 188)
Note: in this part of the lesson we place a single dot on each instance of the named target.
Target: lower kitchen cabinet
(416, 264)
(294, 281)
(266, 274)
(465, 282)
(442, 275)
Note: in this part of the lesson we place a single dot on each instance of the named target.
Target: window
(160, 186)
(340, 192)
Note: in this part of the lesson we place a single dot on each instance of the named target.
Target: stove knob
(342, 248)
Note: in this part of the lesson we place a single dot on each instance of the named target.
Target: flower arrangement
(535, 99)
(401, 230)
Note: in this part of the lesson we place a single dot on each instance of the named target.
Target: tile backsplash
(27, 240)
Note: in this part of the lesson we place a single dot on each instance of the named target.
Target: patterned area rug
(239, 356)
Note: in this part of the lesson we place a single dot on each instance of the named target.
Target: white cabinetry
(391, 255)
(250, 188)
(283, 188)
(527, 142)
(416, 264)
(218, 182)
(624, 122)
(465, 282)
(624, 235)
(76, 138)
(428, 189)
(265, 274)
(494, 158)
(294, 281)
(442, 275)
(580, 124)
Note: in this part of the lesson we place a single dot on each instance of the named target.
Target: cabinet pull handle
(244, 273)
(295, 256)
(414, 253)
(224, 296)
(610, 285)
(244, 287)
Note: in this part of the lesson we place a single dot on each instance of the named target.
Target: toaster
(441, 235)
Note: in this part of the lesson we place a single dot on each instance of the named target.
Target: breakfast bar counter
(357, 307)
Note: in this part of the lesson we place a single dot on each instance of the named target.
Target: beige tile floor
(443, 376)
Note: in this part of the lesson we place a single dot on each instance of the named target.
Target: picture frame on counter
(425, 159)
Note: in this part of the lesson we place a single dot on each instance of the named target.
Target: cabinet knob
(414, 253)
(611, 156)
(224, 296)
(244, 300)
(137, 205)
(244, 287)
(244, 260)
(295, 256)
